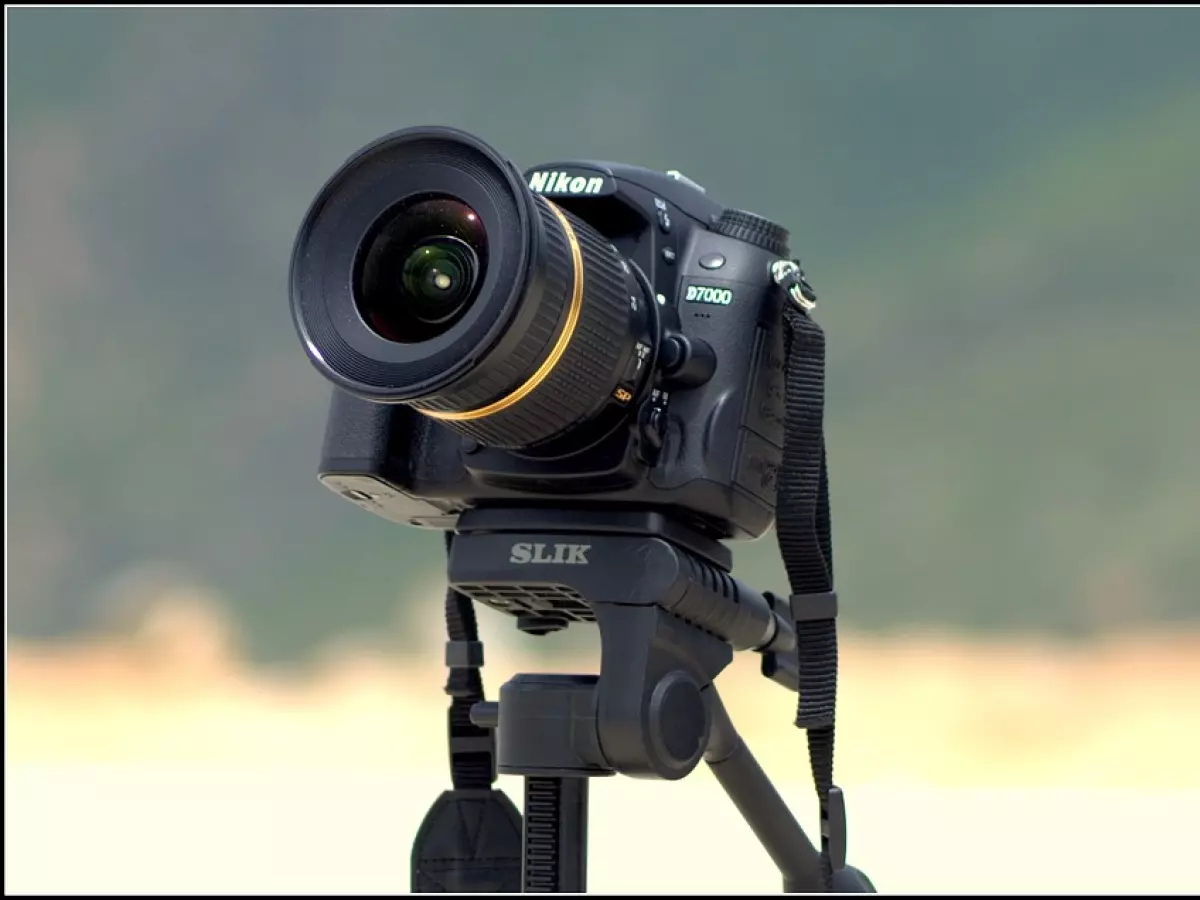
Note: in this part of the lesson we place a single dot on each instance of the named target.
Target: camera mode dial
(753, 229)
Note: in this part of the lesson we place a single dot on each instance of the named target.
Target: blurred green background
(1000, 210)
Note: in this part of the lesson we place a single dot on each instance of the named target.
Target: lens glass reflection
(421, 269)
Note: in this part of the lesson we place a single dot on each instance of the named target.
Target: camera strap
(802, 526)
(470, 840)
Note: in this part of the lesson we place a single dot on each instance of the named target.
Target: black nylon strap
(805, 542)
(470, 840)
(472, 749)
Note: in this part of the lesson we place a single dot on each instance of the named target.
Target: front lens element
(421, 269)
(437, 279)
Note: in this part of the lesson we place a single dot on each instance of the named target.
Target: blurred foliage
(999, 209)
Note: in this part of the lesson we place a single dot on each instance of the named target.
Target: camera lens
(427, 273)
(420, 269)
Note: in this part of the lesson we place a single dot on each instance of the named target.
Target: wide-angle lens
(428, 273)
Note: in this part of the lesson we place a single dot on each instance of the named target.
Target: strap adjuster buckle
(464, 654)
(813, 607)
(463, 658)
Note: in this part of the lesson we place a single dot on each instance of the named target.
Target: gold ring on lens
(556, 353)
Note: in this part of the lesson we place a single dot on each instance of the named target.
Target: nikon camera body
(581, 335)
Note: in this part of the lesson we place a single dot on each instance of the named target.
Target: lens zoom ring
(601, 344)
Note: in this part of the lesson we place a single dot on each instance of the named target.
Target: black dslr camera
(586, 332)
(589, 375)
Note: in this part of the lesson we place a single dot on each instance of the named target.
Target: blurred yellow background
(160, 761)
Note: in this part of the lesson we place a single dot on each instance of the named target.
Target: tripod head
(670, 617)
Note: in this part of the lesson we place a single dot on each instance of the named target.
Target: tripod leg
(760, 804)
(555, 836)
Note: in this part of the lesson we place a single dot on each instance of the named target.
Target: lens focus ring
(568, 361)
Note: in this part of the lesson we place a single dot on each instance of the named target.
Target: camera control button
(664, 221)
(654, 429)
(656, 426)
(712, 261)
(668, 254)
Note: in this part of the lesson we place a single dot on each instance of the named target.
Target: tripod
(670, 617)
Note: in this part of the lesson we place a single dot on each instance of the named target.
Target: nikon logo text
(564, 183)
(550, 554)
